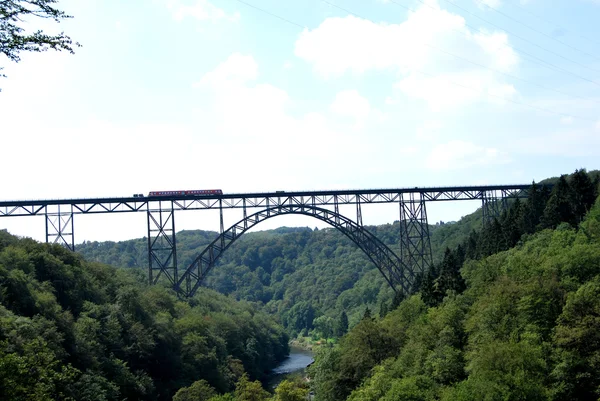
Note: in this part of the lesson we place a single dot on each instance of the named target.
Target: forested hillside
(513, 313)
(296, 273)
(78, 330)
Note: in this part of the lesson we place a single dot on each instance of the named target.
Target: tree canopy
(15, 37)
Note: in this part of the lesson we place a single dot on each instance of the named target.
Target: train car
(193, 192)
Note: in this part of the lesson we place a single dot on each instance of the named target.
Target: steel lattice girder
(415, 245)
(162, 246)
(388, 263)
(60, 226)
(493, 204)
(259, 200)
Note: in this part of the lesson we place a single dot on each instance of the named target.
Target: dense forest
(297, 274)
(511, 313)
(78, 330)
(309, 279)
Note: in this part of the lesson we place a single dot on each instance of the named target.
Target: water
(296, 362)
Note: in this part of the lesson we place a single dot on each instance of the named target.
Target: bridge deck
(260, 200)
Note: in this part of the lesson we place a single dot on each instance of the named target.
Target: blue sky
(192, 94)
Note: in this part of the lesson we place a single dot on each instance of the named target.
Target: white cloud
(355, 45)
(495, 45)
(445, 91)
(563, 143)
(429, 131)
(456, 155)
(202, 10)
(237, 68)
(566, 120)
(350, 103)
(249, 114)
(598, 125)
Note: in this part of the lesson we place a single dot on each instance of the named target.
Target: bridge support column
(415, 245)
(359, 220)
(493, 203)
(59, 226)
(162, 247)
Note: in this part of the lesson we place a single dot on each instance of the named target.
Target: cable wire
(271, 14)
(551, 22)
(520, 37)
(546, 64)
(486, 67)
(538, 31)
(425, 73)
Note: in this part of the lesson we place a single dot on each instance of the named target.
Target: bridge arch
(389, 264)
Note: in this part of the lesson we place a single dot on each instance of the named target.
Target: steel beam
(60, 226)
(415, 244)
(162, 246)
(493, 203)
(390, 266)
(260, 200)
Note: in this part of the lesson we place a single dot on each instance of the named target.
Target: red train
(194, 192)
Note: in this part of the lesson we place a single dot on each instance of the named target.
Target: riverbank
(308, 344)
(294, 365)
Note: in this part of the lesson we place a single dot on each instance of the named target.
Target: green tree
(341, 327)
(533, 209)
(199, 391)
(324, 325)
(14, 39)
(577, 338)
(584, 193)
(290, 391)
(246, 390)
(559, 208)
(449, 278)
(383, 309)
(398, 298)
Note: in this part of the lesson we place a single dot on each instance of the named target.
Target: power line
(514, 101)
(476, 63)
(270, 13)
(520, 51)
(520, 37)
(550, 22)
(422, 72)
(538, 31)
(486, 67)
(480, 65)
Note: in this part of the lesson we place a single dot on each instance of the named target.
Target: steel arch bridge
(389, 264)
(399, 271)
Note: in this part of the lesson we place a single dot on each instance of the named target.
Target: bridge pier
(60, 226)
(415, 245)
(162, 247)
(493, 203)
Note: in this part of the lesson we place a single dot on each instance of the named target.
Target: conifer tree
(398, 298)
(428, 291)
(472, 246)
(342, 325)
(383, 309)
(450, 278)
(583, 194)
(533, 210)
(559, 208)
(512, 225)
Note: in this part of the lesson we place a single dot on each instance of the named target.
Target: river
(296, 362)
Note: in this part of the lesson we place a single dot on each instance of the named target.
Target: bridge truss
(415, 247)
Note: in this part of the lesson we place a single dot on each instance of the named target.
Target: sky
(266, 95)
